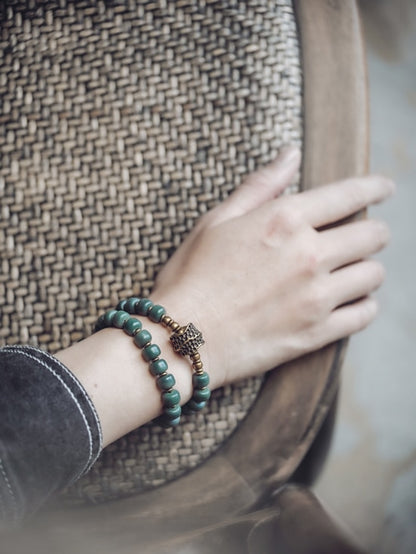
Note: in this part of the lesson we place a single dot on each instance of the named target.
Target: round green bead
(157, 367)
(167, 422)
(156, 313)
(171, 398)
(130, 305)
(108, 318)
(173, 412)
(142, 338)
(196, 406)
(166, 382)
(120, 318)
(132, 326)
(121, 305)
(151, 352)
(99, 324)
(174, 422)
(143, 306)
(200, 380)
(201, 395)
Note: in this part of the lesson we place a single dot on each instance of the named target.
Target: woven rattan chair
(120, 124)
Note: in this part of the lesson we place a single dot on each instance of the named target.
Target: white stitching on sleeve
(75, 380)
(87, 398)
(24, 353)
(9, 488)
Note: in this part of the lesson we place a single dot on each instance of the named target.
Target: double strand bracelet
(185, 340)
(158, 367)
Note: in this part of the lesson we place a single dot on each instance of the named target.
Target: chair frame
(271, 442)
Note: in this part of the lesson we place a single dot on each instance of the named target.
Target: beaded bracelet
(185, 341)
(158, 367)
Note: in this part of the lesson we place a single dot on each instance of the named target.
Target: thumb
(261, 186)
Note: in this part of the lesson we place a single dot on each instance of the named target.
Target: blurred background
(370, 478)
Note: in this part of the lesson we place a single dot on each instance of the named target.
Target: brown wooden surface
(293, 523)
(272, 441)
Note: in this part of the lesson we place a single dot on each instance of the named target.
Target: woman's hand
(265, 277)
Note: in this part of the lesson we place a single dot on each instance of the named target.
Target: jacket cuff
(50, 434)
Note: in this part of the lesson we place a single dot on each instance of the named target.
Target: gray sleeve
(50, 433)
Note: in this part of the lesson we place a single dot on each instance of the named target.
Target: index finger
(331, 203)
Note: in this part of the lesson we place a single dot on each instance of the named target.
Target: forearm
(111, 368)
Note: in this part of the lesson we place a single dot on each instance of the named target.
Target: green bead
(167, 422)
(99, 324)
(130, 305)
(173, 412)
(132, 326)
(174, 422)
(121, 305)
(143, 306)
(157, 367)
(166, 382)
(201, 395)
(171, 398)
(156, 313)
(151, 352)
(120, 318)
(195, 406)
(108, 317)
(200, 380)
(142, 338)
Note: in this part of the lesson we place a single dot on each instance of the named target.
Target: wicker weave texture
(120, 124)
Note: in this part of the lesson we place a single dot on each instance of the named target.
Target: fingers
(355, 281)
(262, 185)
(349, 243)
(331, 203)
(348, 320)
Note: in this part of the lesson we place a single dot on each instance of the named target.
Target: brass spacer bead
(197, 366)
(199, 371)
(169, 322)
(195, 356)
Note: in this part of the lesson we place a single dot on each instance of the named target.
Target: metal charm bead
(186, 340)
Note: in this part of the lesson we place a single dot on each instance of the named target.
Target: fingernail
(288, 156)
(391, 185)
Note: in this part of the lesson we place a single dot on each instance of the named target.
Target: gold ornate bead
(186, 340)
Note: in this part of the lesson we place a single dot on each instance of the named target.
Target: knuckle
(315, 303)
(208, 219)
(287, 220)
(310, 259)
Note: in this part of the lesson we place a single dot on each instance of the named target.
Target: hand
(262, 276)
(266, 279)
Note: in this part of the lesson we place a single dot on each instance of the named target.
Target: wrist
(112, 370)
(184, 310)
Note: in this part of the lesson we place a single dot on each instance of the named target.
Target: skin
(266, 278)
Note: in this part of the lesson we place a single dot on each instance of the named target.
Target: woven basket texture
(120, 124)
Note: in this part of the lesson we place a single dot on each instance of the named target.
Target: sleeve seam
(74, 379)
(91, 459)
(10, 489)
